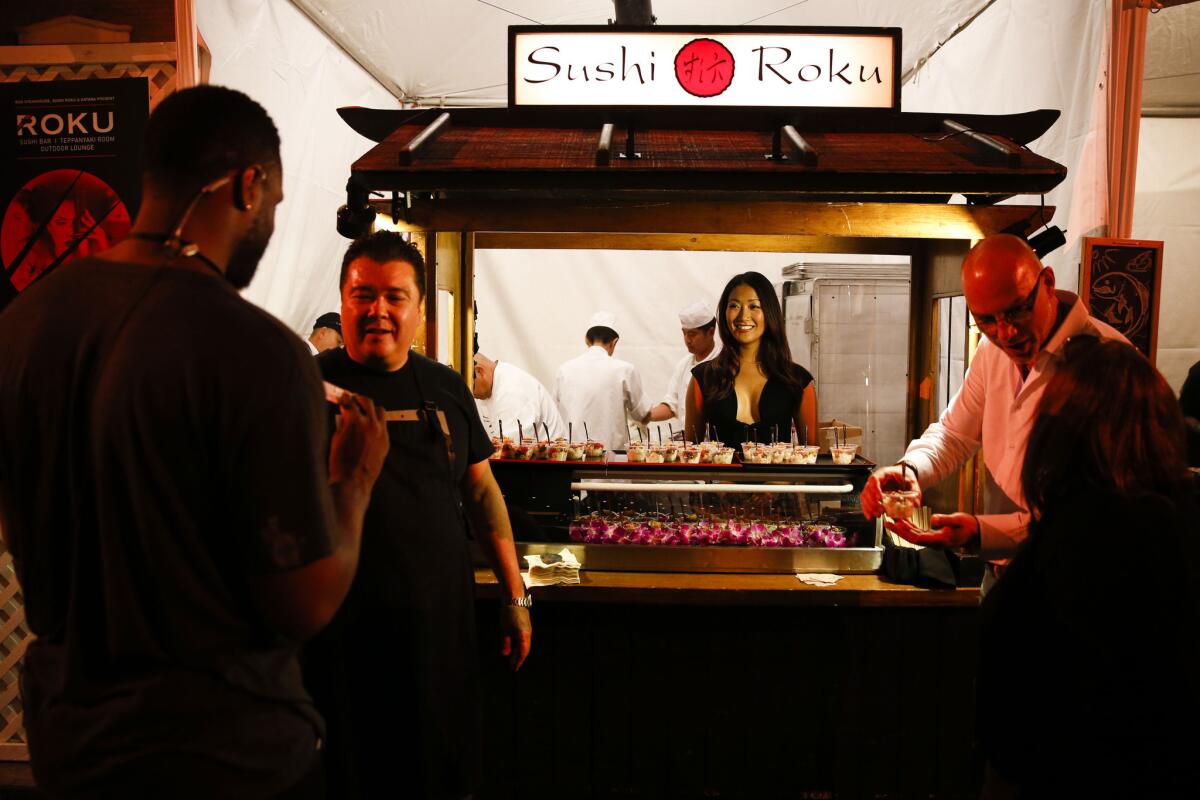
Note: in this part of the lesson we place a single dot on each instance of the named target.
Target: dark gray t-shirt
(161, 443)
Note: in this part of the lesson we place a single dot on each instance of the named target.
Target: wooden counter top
(666, 588)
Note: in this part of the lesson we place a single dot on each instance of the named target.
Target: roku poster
(71, 183)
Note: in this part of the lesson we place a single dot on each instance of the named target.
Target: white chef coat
(599, 389)
(681, 378)
(517, 395)
(995, 409)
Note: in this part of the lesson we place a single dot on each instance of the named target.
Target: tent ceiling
(1172, 74)
(454, 52)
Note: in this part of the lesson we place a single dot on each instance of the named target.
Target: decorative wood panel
(14, 638)
(161, 75)
(1120, 284)
(72, 62)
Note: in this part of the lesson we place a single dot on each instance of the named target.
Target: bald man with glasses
(1025, 322)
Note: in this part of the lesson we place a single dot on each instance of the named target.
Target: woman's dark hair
(1107, 422)
(774, 355)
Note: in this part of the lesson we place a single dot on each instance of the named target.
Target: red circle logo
(704, 67)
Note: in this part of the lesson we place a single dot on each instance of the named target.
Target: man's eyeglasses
(1016, 315)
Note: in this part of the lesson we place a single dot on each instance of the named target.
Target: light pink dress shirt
(995, 410)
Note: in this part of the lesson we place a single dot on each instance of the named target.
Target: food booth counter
(703, 669)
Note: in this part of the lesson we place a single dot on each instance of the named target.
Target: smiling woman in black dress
(752, 390)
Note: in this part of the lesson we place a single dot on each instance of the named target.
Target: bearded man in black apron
(396, 673)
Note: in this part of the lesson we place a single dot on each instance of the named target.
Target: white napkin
(818, 578)
(561, 570)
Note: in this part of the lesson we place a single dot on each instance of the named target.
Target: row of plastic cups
(779, 453)
(785, 453)
(680, 452)
(530, 449)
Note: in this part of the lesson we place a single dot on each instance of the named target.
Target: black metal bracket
(989, 146)
(434, 129)
(804, 153)
(630, 141)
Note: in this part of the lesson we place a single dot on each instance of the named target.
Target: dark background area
(152, 20)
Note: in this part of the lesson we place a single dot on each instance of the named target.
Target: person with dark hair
(600, 391)
(177, 523)
(698, 322)
(1088, 683)
(1189, 404)
(326, 333)
(1025, 322)
(397, 672)
(752, 390)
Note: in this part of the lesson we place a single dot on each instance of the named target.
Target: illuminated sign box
(673, 66)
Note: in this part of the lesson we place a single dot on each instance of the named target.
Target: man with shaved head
(1026, 321)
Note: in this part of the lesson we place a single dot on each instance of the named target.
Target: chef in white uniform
(600, 390)
(699, 323)
(506, 394)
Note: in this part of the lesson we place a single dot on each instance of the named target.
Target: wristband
(905, 465)
(524, 601)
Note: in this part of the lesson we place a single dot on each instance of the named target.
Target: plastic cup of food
(806, 453)
(670, 453)
(575, 451)
(655, 455)
(523, 451)
(901, 503)
(723, 456)
(507, 448)
(594, 449)
(690, 455)
(558, 451)
(635, 452)
(541, 450)
(780, 453)
(843, 454)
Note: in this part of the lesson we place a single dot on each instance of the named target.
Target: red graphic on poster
(704, 67)
(57, 217)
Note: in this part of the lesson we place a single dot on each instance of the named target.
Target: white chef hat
(603, 319)
(697, 314)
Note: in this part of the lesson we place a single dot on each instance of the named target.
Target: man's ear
(1049, 279)
(247, 188)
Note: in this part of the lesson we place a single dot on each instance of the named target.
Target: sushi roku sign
(674, 66)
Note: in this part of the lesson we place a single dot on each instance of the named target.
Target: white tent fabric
(1025, 54)
(1165, 208)
(271, 51)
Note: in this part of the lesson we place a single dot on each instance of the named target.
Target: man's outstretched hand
(948, 531)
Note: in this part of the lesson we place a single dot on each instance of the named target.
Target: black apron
(396, 673)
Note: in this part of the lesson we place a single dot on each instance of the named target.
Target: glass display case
(622, 512)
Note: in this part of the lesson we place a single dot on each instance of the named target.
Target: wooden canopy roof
(727, 154)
